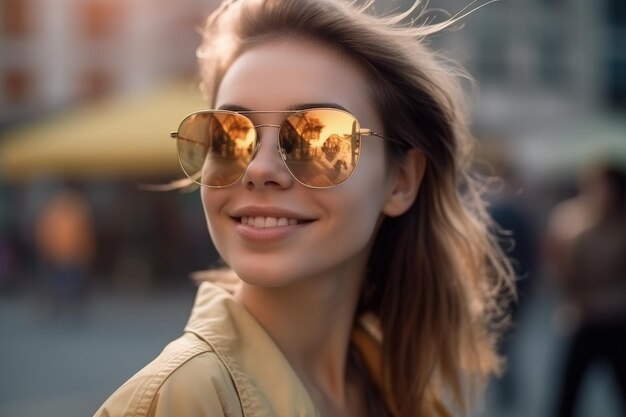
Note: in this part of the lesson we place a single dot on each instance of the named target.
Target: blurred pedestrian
(64, 243)
(8, 251)
(567, 220)
(363, 290)
(593, 286)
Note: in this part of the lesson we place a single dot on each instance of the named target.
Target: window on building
(97, 83)
(100, 18)
(617, 83)
(18, 86)
(552, 68)
(492, 61)
(616, 53)
(15, 17)
(616, 13)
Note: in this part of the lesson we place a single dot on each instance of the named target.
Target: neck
(311, 321)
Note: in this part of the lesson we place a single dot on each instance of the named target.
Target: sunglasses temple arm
(370, 132)
(175, 135)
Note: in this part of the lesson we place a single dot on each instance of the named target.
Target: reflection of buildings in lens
(216, 136)
(339, 165)
(338, 149)
(301, 130)
(288, 139)
(224, 136)
(331, 146)
(192, 144)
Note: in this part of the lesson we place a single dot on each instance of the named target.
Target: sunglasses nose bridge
(257, 127)
(264, 125)
(266, 164)
(260, 135)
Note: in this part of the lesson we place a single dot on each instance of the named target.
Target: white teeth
(262, 222)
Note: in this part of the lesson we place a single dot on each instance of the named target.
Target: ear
(405, 183)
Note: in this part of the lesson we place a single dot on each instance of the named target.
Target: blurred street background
(95, 269)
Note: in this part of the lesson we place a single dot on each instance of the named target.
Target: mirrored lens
(215, 148)
(321, 146)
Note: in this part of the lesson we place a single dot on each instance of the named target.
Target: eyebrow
(295, 107)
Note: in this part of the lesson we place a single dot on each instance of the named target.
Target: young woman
(334, 173)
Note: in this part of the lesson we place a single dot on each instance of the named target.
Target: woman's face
(326, 230)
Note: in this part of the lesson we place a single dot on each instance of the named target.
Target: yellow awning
(116, 137)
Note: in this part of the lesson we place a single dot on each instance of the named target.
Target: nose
(267, 169)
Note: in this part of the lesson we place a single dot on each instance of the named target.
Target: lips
(268, 217)
(268, 225)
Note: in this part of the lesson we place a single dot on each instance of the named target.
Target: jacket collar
(266, 383)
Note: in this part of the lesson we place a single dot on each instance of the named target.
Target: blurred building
(56, 52)
(534, 59)
(551, 79)
(540, 65)
(541, 60)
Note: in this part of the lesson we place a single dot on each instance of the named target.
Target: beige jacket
(224, 365)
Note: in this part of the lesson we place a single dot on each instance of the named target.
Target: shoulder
(187, 379)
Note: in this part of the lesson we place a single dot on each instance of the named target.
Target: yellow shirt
(224, 365)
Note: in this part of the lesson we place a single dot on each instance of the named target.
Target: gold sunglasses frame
(360, 132)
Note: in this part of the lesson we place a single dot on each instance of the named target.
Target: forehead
(280, 74)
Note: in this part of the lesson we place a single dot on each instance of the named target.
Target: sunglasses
(320, 147)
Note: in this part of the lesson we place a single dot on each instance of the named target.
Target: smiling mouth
(264, 222)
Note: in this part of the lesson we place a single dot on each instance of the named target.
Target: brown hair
(435, 272)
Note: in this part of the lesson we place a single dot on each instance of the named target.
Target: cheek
(359, 222)
(211, 201)
(362, 199)
(205, 197)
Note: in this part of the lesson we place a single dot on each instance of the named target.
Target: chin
(265, 277)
